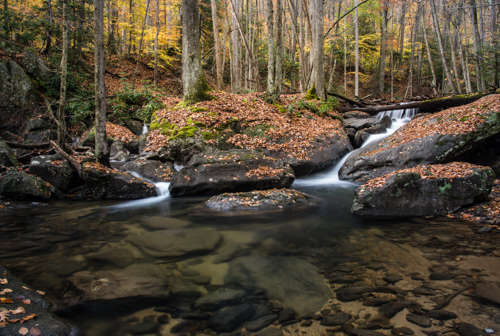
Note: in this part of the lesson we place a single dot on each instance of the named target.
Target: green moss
(201, 94)
(259, 130)
(311, 94)
(197, 109)
(444, 188)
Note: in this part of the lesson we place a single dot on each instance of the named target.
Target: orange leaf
(6, 300)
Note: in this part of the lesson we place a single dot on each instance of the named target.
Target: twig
(447, 299)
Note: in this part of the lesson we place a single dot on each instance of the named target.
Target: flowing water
(44, 246)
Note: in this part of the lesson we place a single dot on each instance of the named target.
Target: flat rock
(419, 320)
(489, 291)
(218, 299)
(56, 171)
(229, 318)
(364, 332)
(261, 322)
(336, 319)
(356, 115)
(117, 257)
(390, 309)
(292, 281)
(152, 170)
(163, 223)
(442, 276)
(442, 315)
(359, 124)
(270, 332)
(23, 187)
(392, 277)
(347, 294)
(467, 329)
(177, 242)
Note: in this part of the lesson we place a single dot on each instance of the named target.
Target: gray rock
(376, 129)
(392, 277)
(261, 322)
(219, 299)
(409, 195)
(419, 320)
(177, 242)
(442, 315)
(375, 302)
(488, 291)
(7, 157)
(35, 66)
(467, 329)
(390, 309)
(336, 319)
(292, 281)
(360, 138)
(386, 121)
(286, 314)
(135, 126)
(270, 332)
(118, 151)
(56, 171)
(230, 171)
(155, 171)
(346, 294)
(229, 318)
(23, 187)
(359, 124)
(36, 124)
(356, 115)
(117, 257)
(16, 87)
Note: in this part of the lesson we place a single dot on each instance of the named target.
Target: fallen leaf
(23, 331)
(27, 301)
(3, 281)
(35, 331)
(6, 290)
(19, 310)
(26, 318)
(6, 300)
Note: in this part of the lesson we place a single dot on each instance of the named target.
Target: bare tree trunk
(429, 56)
(441, 47)
(356, 65)
(140, 43)
(402, 22)
(101, 145)
(478, 48)
(48, 42)
(158, 26)
(131, 22)
(279, 51)
(61, 124)
(270, 48)
(318, 47)
(235, 64)
(218, 65)
(383, 47)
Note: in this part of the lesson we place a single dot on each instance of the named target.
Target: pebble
(419, 320)
(188, 326)
(416, 276)
(442, 315)
(467, 329)
(392, 277)
(286, 314)
(143, 328)
(442, 276)
(336, 319)
(375, 302)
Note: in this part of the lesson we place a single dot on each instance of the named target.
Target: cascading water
(145, 129)
(331, 176)
(161, 189)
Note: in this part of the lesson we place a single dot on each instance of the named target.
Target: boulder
(360, 138)
(35, 66)
(292, 281)
(359, 124)
(259, 200)
(152, 170)
(103, 182)
(135, 126)
(39, 136)
(229, 318)
(230, 171)
(133, 146)
(386, 121)
(424, 191)
(432, 139)
(118, 151)
(177, 242)
(376, 129)
(16, 87)
(219, 299)
(7, 157)
(56, 171)
(23, 187)
(356, 115)
(36, 124)
(112, 258)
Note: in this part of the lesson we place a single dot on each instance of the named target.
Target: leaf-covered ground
(115, 132)
(289, 127)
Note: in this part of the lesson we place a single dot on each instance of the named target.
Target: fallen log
(72, 162)
(426, 106)
(27, 146)
(349, 100)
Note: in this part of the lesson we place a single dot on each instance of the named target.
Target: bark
(441, 47)
(383, 47)
(270, 47)
(218, 61)
(72, 162)
(429, 56)
(402, 30)
(279, 51)
(140, 43)
(356, 62)
(131, 23)
(318, 47)
(478, 49)
(61, 124)
(48, 42)
(158, 26)
(235, 61)
(101, 145)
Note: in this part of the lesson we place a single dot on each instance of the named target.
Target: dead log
(72, 162)
(349, 100)
(426, 106)
(27, 146)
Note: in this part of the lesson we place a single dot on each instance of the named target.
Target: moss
(197, 109)
(311, 94)
(259, 130)
(201, 94)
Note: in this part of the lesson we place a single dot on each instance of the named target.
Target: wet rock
(7, 157)
(114, 257)
(56, 171)
(364, 332)
(201, 280)
(152, 170)
(442, 315)
(162, 223)
(356, 115)
(144, 328)
(386, 121)
(347, 294)
(261, 322)
(419, 320)
(392, 277)
(390, 309)
(375, 302)
(163, 319)
(177, 242)
(488, 291)
(285, 315)
(216, 300)
(376, 129)
(292, 281)
(383, 157)
(23, 187)
(44, 320)
(270, 332)
(188, 326)
(423, 291)
(259, 310)
(230, 171)
(442, 276)
(407, 194)
(36, 124)
(259, 200)
(228, 252)
(228, 318)
(360, 138)
(118, 151)
(467, 329)
(351, 133)
(359, 124)
(335, 319)
(402, 331)
(111, 184)
(188, 273)
(135, 126)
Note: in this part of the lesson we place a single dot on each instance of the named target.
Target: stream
(46, 245)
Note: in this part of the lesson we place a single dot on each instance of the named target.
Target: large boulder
(359, 124)
(118, 151)
(424, 191)
(56, 171)
(7, 158)
(294, 282)
(259, 200)
(103, 182)
(437, 138)
(23, 187)
(25, 307)
(152, 170)
(233, 170)
(16, 88)
(35, 66)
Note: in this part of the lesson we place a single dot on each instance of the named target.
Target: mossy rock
(7, 157)
(23, 187)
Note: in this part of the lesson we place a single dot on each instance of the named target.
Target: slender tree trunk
(318, 47)
(235, 64)
(402, 22)
(441, 47)
(158, 26)
(392, 55)
(429, 56)
(356, 51)
(478, 48)
(131, 23)
(270, 47)
(48, 43)
(101, 145)
(383, 47)
(218, 65)
(140, 43)
(279, 51)
(61, 124)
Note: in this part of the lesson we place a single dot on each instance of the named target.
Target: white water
(331, 176)
(161, 189)
(145, 129)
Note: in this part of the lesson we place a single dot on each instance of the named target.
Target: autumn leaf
(6, 300)
(6, 290)
(35, 331)
(4, 315)
(19, 310)
(23, 331)
(3, 281)
(29, 317)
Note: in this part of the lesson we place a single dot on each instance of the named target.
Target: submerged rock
(56, 171)
(155, 171)
(230, 171)
(108, 183)
(218, 299)
(7, 157)
(259, 200)
(436, 138)
(229, 318)
(424, 191)
(292, 281)
(23, 187)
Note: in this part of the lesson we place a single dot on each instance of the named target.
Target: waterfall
(161, 189)
(145, 129)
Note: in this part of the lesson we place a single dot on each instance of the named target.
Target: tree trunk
(140, 43)
(429, 56)
(218, 61)
(157, 18)
(131, 23)
(383, 47)
(101, 145)
(441, 47)
(402, 22)
(478, 49)
(278, 75)
(318, 47)
(356, 51)
(270, 48)
(48, 42)
(61, 124)
(235, 61)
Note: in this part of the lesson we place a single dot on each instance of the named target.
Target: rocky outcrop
(25, 307)
(438, 138)
(230, 171)
(16, 88)
(56, 171)
(152, 170)
(424, 191)
(7, 157)
(259, 200)
(107, 183)
(23, 187)
(118, 151)
(35, 66)
(292, 281)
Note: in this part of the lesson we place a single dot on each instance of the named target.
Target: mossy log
(426, 106)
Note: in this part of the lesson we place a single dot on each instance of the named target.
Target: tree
(193, 80)
(218, 60)
(318, 71)
(101, 145)
(383, 47)
(61, 124)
